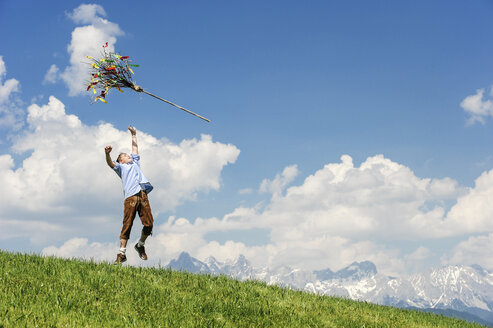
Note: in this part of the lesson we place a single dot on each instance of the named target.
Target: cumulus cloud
(474, 250)
(419, 254)
(51, 75)
(82, 248)
(87, 14)
(419, 260)
(36, 231)
(65, 182)
(472, 213)
(381, 198)
(478, 108)
(87, 41)
(277, 185)
(7, 87)
(10, 113)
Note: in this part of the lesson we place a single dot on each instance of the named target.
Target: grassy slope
(41, 291)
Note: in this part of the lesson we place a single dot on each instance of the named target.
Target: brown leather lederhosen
(133, 204)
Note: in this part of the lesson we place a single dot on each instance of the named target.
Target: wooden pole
(169, 102)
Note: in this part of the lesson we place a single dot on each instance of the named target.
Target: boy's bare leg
(121, 257)
(123, 243)
(143, 237)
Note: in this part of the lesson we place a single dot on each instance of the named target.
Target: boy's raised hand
(107, 149)
(132, 130)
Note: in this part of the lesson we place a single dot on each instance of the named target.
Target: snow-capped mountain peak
(187, 263)
(357, 271)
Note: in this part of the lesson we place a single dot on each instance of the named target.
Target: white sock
(141, 243)
(123, 250)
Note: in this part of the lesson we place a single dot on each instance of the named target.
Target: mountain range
(460, 291)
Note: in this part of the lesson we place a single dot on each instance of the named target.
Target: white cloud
(419, 254)
(245, 191)
(36, 231)
(65, 181)
(81, 248)
(381, 198)
(87, 41)
(472, 213)
(474, 250)
(277, 185)
(87, 14)
(478, 108)
(51, 75)
(7, 87)
(10, 113)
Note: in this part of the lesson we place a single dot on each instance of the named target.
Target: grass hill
(40, 291)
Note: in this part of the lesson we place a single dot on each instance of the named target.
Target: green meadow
(40, 291)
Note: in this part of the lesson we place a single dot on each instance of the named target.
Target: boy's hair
(118, 158)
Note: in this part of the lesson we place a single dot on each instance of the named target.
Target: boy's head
(124, 158)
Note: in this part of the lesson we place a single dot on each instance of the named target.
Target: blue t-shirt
(131, 176)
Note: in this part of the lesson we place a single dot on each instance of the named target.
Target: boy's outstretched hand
(107, 150)
(132, 130)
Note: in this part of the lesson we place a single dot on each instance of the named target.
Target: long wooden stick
(169, 102)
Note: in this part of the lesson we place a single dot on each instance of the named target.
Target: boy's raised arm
(110, 163)
(135, 147)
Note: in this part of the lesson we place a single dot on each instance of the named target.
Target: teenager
(135, 190)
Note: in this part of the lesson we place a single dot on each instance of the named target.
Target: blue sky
(285, 83)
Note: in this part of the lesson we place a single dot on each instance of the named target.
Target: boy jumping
(128, 169)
